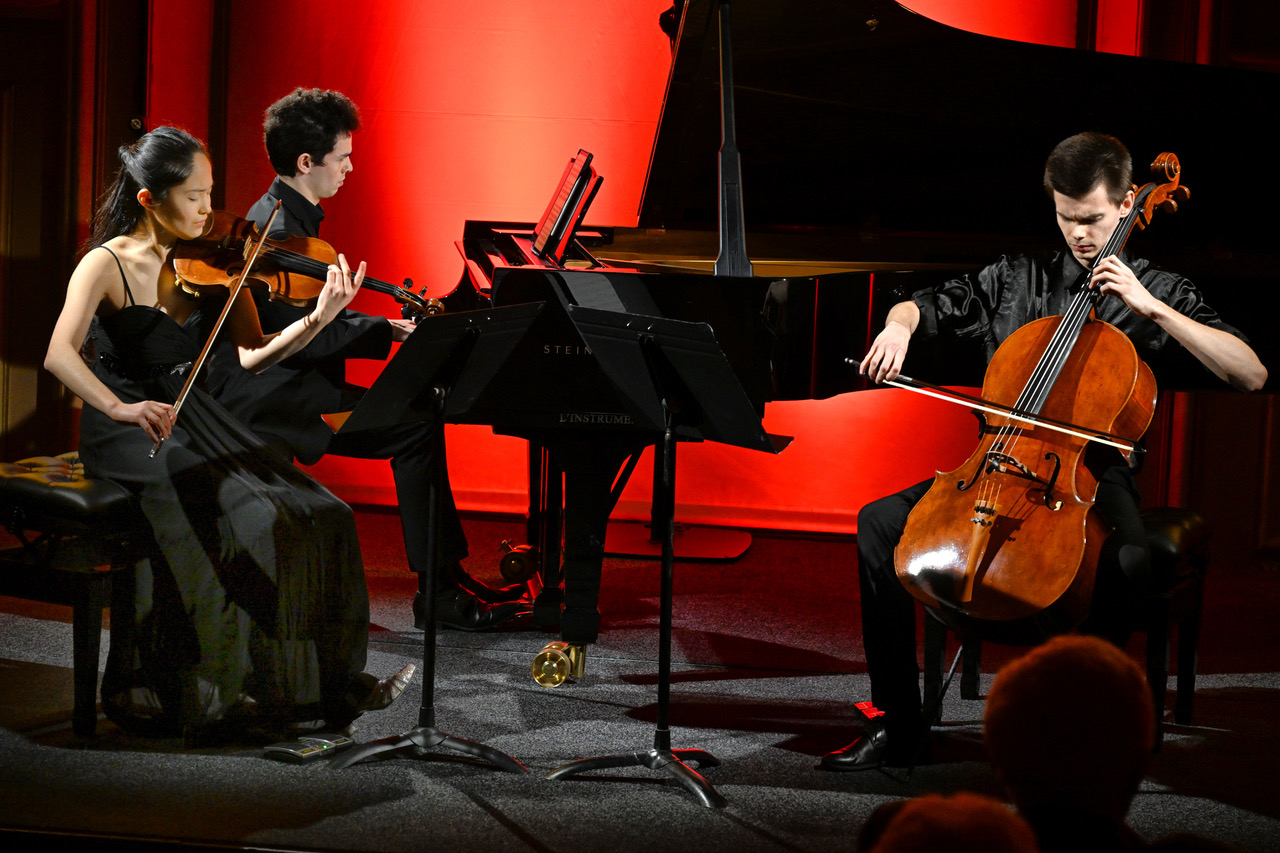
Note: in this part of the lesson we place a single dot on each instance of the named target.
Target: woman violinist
(253, 599)
(1088, 178)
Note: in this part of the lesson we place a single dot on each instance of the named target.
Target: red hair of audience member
(960, 823)
(1069, 728)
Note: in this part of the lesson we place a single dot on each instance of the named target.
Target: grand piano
(877, 142)
(881, 152)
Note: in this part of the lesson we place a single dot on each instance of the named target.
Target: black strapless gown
(254, 597)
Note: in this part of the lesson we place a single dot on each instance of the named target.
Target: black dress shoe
(908, 746)
(515, 593)
(867, 752)
(462, 611)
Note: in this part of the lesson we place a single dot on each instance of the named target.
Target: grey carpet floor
(764, 679)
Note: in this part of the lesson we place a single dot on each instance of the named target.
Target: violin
(293, 269)
(1006, 545)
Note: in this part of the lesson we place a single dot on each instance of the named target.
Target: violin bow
(217, 327)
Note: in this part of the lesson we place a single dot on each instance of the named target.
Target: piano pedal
(519, 562)
(558, 662)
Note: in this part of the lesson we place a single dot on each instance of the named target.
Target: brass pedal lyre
(559, 661)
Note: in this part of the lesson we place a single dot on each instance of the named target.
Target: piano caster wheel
(519, 563)
(559, 661)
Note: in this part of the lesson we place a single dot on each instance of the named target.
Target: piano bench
(74, 536)
(1179, 542)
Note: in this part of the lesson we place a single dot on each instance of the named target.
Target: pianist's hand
(400, 329)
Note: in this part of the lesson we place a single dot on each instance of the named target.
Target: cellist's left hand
(1113, 276)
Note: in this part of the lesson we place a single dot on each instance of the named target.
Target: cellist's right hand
(340, 288)
(884, 360)
(155, 418)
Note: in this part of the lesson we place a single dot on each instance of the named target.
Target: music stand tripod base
(671, 761)
(662, 757)
(416, 742)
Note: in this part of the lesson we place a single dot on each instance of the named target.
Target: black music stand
(685, 376)
(413, 384)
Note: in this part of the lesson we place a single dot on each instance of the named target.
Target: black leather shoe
(867, 752)
(515, 593)
(908, 746)
(462, 611)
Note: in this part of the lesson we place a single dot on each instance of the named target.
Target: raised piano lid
(873, 137)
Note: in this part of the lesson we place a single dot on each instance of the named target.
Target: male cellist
(1088, 178)
(308, 136)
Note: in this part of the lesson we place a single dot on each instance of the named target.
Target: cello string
(1078, 312)
(1062, 342)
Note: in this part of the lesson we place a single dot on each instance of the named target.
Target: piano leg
(590, 469)
(546, 498)
(661, 757)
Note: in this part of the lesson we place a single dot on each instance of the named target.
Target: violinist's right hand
(156, 419)
(340, 288)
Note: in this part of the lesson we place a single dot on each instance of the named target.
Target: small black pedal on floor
(307, 749)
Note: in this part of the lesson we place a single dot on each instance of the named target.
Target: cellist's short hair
(1081, 162)
(306, 121)
(1069, 728)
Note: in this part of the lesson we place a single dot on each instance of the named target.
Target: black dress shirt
(980, 310)
(283, 404)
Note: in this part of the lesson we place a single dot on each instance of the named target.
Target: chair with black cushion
(75, 534)
(1179, 542)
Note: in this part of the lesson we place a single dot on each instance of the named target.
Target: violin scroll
(1163, 196)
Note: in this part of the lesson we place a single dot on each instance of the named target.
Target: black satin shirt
(984, 308)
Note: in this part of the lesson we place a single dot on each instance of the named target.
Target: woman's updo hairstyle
(159, 161)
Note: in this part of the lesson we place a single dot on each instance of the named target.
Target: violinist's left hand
(401, 329)
(1113, 276)
(340, 288)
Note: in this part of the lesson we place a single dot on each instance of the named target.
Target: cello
(1006, 545)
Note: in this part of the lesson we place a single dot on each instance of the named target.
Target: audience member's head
(960, 823)
(1069, 728)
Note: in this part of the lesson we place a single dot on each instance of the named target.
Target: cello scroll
(1163, 196)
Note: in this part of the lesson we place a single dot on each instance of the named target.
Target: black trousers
(408, 446)
(889, 611)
